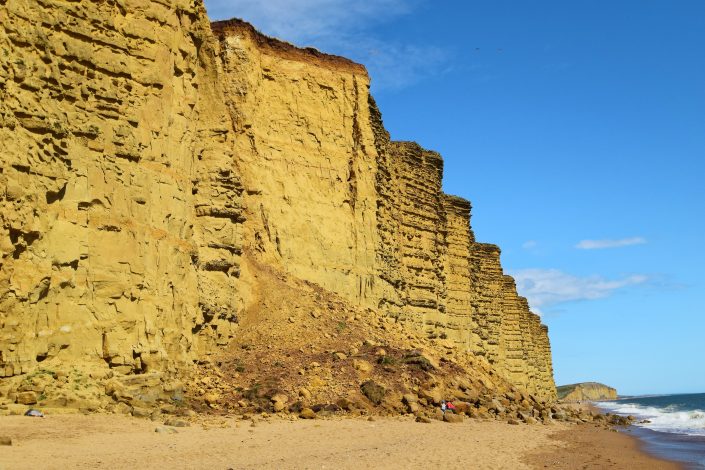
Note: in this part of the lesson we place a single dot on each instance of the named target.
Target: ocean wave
(664, 419)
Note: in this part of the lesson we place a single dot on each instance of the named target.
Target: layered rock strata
(331, 199)
(144, 151)
(118, 199)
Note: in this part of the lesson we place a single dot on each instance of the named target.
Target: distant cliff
(586, 391)
(144, 151)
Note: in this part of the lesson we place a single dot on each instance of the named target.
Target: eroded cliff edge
(143, 154)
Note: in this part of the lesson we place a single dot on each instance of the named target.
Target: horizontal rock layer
(144, 150)
(118, 201)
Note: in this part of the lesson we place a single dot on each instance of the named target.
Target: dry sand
(594, 448)
(106, 441)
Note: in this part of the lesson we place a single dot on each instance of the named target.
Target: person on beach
(443, 406)
(451, 407)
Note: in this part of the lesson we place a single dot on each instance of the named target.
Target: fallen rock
(433, 395)
(165, 430)
(513, 421)
(27, 398)
(424, 362)
(423, 419)
(307, 413)
(452, 418)
(279, 406)
(177, 423)
(463, 407)
(373, 391)
(345, 404)
(139, 412)
(5, 441)
(361, 365)
(411, 402)
(211, 398)
(497, 407)
(122, 408)
(279, 398)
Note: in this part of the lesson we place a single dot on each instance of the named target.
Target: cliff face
(330, 199)
(305, 153)
(586, 391)
(143, 152)
(118, 199)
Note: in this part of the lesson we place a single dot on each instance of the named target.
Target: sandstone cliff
(118, 200)
(586, 391)
(144, 152)
(332, 200)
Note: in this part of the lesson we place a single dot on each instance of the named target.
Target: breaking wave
(669, 418)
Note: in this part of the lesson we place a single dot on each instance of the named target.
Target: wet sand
(107, 441)
(591, 447)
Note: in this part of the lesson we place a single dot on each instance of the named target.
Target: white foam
(667, 419)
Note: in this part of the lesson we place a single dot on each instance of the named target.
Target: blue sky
(577, 130)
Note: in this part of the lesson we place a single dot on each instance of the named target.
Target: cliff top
(584, 384)
(286, 50)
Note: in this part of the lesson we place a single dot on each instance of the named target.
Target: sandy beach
(108, 441)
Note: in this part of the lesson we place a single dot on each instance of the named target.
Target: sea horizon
(649, 395)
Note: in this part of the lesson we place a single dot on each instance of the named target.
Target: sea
(671, 426)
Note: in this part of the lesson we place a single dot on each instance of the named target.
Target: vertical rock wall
(306, 155)
(460, 323)
(118, 203)
(511, 337)
(418, 200)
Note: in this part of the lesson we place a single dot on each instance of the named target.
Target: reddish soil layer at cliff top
(285, 49)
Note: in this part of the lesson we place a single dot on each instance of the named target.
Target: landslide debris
(303, 351)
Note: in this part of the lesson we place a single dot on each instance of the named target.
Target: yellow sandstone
(143, 151)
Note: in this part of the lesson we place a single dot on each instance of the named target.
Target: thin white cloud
(344, 28)
(302, 21)
(548, 287)
(529, 244)
(393, 66)
(602, 244)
